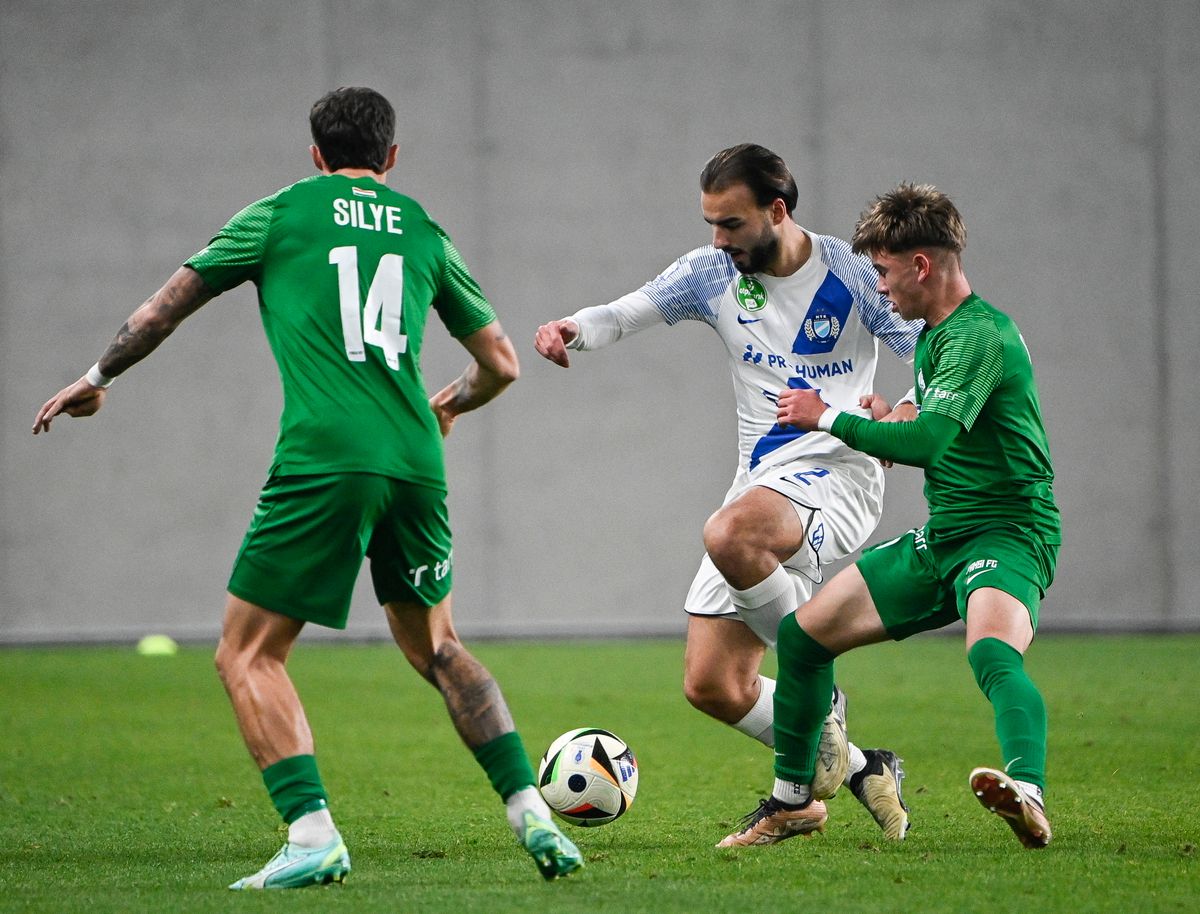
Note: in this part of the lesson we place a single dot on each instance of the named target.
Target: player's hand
(878, 406)
(440, 404)
(551, 341)
(800, 408)
(882, 412)
(80, 399)
(903, 412)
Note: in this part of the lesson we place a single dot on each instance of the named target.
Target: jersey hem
(290, 469)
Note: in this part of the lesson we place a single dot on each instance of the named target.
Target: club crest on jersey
(825, 319)
(751, 296)
(822, 328)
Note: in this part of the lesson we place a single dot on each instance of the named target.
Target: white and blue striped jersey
(818, 328)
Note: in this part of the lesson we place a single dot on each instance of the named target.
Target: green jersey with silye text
(974, 367)
(347, 270)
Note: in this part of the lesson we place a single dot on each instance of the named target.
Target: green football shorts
(309, 534)
(918, 585)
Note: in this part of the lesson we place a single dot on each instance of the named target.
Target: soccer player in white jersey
(795, 310)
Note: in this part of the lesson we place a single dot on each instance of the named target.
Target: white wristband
(96, 379)
(825, 423)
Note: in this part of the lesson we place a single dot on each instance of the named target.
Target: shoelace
(766, 806)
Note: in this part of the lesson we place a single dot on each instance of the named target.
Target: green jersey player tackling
(988, 551)
(346, 271)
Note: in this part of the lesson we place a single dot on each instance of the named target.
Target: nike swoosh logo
(753, 320)
(972, 577)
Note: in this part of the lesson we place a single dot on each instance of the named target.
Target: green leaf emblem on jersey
(751, 296)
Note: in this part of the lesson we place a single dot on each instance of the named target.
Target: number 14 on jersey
(377, 323)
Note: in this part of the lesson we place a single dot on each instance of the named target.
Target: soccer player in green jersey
(347, 270)
(986, 554)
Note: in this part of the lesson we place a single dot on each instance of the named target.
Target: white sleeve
(858, 275)
(689, 289)
(602, 325)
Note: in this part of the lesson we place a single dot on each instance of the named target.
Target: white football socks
(759, 722)
(313, 829)
(759, 607)
(858, 762)
(763, 605)
(791, 793)
(527, 799)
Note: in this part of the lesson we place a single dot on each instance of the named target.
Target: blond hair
(910, 216)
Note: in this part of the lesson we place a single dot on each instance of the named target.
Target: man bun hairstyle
(909, 217)
(755, 166)
(353, 127)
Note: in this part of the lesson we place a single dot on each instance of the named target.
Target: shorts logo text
(982, 566)
(440, 570)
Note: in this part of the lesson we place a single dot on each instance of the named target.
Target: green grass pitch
(124, 786)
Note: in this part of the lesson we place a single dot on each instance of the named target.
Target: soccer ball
(588, 776)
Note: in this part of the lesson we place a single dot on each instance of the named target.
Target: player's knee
(221, 661)
(231, 664)
(712, 695)
(715, 532)
(700, 694)
(724, 539)
(241, 664)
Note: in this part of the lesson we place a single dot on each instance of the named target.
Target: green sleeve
(460, 302)
(235, 253)
(967, 366)
(918, 443)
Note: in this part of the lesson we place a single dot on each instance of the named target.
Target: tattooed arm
(148, 326)
(493, 368)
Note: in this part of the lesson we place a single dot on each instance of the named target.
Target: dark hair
(759, 169)
(909, 217)
(353, 127)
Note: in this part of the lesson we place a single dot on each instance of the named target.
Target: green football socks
(801, 702)
(295, 787)
(506, 764)
(1018, 706)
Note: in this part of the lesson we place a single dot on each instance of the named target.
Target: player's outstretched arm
(493, 368)
(551, 341)
(148, 326)
(919, 443)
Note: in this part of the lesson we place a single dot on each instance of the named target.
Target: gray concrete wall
(560, 145)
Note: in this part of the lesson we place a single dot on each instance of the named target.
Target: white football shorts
(838, 501)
